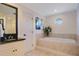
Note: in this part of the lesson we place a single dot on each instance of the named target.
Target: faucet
(10, 37)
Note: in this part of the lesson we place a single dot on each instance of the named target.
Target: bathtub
(67, 46)
(59, 40)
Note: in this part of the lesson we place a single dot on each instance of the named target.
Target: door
(29, 33)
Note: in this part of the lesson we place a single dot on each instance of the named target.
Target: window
(58, 21)
(38, 23)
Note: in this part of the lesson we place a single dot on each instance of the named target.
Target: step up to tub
(68, 49)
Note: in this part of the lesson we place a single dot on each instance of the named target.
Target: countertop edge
(11, 41)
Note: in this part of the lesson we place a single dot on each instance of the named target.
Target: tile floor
(38, 52)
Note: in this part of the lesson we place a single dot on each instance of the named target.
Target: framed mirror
(8, 22)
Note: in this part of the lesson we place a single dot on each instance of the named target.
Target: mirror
(58, 21)
(8, 22)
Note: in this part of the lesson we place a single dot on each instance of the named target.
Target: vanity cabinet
(12, 49)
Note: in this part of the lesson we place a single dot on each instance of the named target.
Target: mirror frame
(16, 18)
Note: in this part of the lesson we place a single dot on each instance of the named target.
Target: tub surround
(66, 47)
(65, 36)
(68, 36)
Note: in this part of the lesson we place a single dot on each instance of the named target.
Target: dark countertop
(11, 41)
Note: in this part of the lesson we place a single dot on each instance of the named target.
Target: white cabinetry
(14, 48)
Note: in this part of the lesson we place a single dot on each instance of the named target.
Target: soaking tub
(63, 45)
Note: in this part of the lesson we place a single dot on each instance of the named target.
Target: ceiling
(46, 9)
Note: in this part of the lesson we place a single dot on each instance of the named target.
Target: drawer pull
(14, 50)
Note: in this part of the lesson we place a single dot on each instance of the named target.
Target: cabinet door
(18, 49)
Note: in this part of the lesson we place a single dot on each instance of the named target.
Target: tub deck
(66, 46)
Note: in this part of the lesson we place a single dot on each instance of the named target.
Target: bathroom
(62, 40)
(26, 25)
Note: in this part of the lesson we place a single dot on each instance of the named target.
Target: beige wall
(78, 25)
(67, 28)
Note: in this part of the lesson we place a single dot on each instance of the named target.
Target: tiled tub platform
(58, 46)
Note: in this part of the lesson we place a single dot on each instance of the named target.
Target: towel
(1, 31)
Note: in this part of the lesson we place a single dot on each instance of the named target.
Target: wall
(78, 25)
(24, 15)
(67, 28)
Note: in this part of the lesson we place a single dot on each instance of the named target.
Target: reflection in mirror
(7, 23)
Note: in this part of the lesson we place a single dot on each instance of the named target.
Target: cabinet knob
(14, 50)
